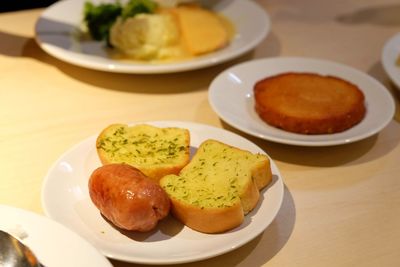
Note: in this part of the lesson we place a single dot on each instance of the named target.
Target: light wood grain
(341, 205)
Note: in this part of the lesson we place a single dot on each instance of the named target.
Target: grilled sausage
(128, 198)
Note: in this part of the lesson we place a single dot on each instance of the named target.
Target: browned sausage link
(126, 197)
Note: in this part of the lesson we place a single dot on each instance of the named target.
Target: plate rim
(217, 109)
(89, 62)
(390, 46)
(140, 260)
(29, 228)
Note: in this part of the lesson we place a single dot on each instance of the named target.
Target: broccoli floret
(134, 7)
(100, 18)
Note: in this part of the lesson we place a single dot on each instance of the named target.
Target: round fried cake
(309, 103)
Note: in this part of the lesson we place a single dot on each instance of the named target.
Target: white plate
(390, 53)
(231, 97)
(66, 199)
(51, 242)
(58, 28)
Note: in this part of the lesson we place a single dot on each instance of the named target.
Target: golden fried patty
(309, 103)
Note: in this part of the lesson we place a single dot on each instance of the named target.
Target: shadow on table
(379, 15)
(20, 46)
(385, 15)
(379, 73)
(348, 154)
(327, 156)
(258, 251)
(8, 5)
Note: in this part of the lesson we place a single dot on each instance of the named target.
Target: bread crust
(260, 179)
(217, 220)
(207, 220)
(221, 219)
(155, 172)
(309, 103)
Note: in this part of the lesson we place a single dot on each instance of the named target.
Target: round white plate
(390, 54)
(58, 32)
(51, 242)
(231, 97)
(66, 199)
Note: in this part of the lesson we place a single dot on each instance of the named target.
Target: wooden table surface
(341, 205)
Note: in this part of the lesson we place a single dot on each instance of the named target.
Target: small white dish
(65, 198)
(51, 242)
(58, 33)
(231, 97)
(391, 54)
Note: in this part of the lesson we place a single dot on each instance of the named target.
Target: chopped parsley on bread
(218, 187)
(154, 151)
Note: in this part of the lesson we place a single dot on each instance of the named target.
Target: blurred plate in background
(391, 59)
(58, 32)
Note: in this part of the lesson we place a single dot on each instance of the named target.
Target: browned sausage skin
(126, 197)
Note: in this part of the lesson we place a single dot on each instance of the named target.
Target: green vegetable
(99, 18)
(134, 7)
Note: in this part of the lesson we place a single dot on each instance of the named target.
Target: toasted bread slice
(218, 187)
(309, 103)
(154, 151)
(202, 30)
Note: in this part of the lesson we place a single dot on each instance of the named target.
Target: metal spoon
(15, 254)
